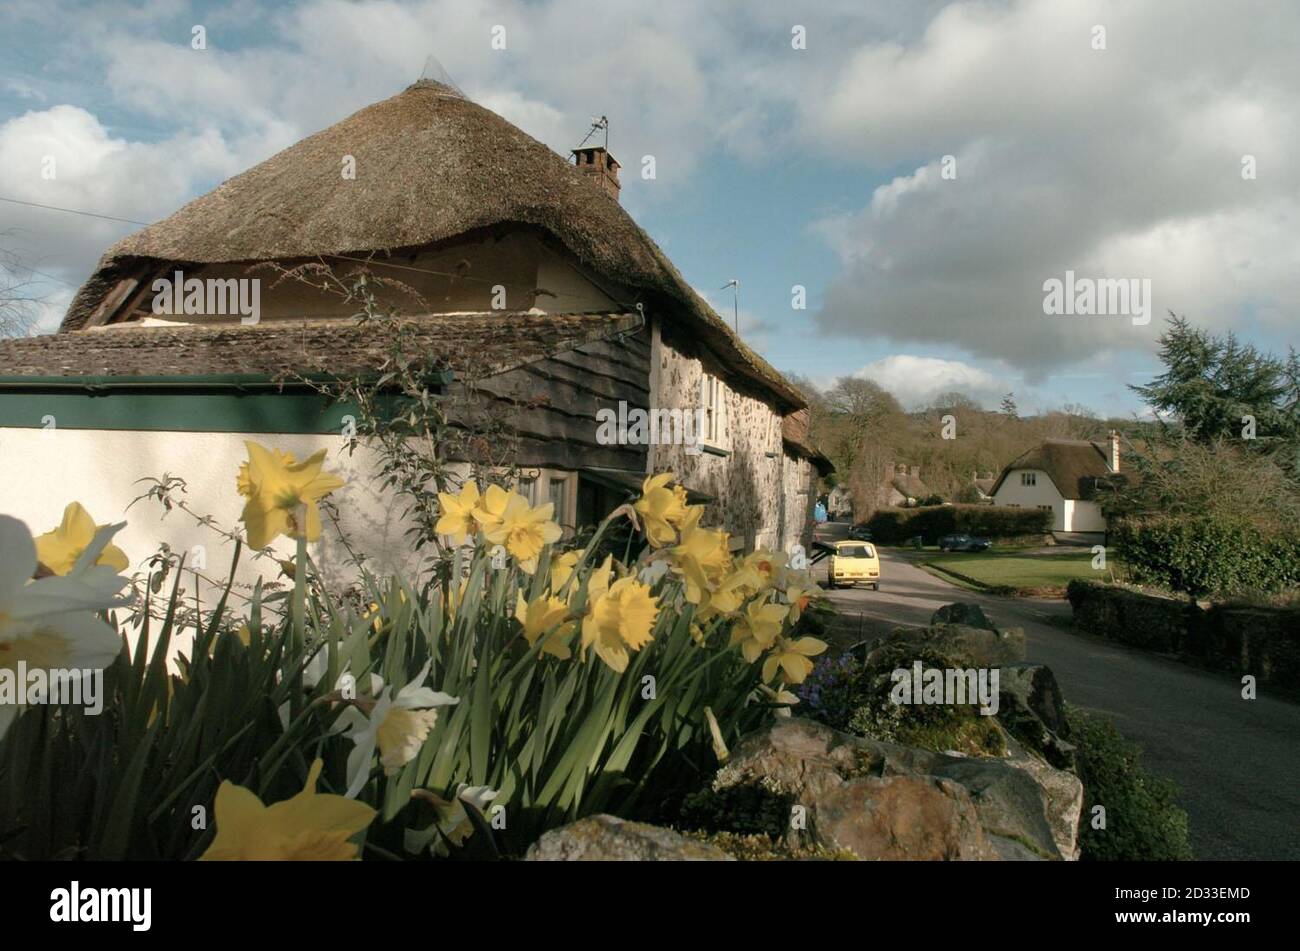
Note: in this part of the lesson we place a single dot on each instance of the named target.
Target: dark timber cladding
(552, 403)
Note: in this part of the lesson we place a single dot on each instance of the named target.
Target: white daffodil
(50, 623)
(396, 725)
(453, 820)
(777, 696)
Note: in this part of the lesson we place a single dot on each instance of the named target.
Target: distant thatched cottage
(1060, 476)
(531, 274)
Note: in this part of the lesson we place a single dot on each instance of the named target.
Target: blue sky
(1116, 154)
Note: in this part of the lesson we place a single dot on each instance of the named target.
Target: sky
(921, 170)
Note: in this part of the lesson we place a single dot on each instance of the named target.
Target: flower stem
(296, 639)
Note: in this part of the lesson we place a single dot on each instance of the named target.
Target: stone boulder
(964, 645)
(884, 800)
(604, 838)
(961, 612)
(1031, 707)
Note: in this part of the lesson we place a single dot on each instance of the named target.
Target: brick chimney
(1114, 451)
(595, 161)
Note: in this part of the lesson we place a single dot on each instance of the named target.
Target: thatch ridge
(430, 165)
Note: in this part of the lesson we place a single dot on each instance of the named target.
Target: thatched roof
(466, 343)
(430, 166)
(1071, 464)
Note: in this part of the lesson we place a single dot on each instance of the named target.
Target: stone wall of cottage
(799, 490)
(742, 469)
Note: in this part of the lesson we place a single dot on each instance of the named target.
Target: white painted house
(1058, 475)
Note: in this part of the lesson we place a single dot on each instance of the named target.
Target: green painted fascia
(234, 403)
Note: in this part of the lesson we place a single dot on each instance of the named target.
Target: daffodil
(619, 619)
(798, 598)
(58, 550)
(545, 616)
(767, 564)
(715, 733)
(524, 530)
(51, 623)
(396, 725)
(661, 508)
(310, 826)
(757, 628)
(452, 823)
(703, 557)
(491, 506)
(562, 568)
(282, 494)
(780, 696)
(790, 656)
(732, 590)
(456, 519)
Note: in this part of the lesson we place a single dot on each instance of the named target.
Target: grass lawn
(1018, 571)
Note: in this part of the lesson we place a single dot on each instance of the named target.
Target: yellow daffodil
(524, 530)
(757, 628)
(767, 564)
(732, 590)
(702, 557)
(310, 826)
(791, 658)
(492, 505)
(59, 550)
(661, 508)
(456, 513)
(282, 494)
(544, 615)
(619, 619)
(798, 598)
(562, 568)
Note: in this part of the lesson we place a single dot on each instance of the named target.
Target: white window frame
(713, 400)
(1029, 478)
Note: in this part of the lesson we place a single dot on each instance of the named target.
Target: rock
(1009, 802)
(1030, 706)
(604, 838)
(1063, 793)
(964, 645)
(851, 789)
(961, 612)
(900, 817)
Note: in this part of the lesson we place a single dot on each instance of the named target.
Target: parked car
(860, 533)
(964, 543)
(853, 563)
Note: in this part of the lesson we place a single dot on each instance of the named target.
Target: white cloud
(1121, 163)
(915, 381)
(64, 157)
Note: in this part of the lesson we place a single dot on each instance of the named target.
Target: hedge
(891, 526)
(1203, 556)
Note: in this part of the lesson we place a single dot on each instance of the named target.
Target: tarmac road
(1236, 762)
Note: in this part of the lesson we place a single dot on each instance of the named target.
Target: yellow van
(852, 563)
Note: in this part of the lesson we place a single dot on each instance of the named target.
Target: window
(558, 495)
(713, 402)
(1029, 478)
(528, 489)
(1045, 508)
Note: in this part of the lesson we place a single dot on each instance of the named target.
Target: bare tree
(17, 298)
